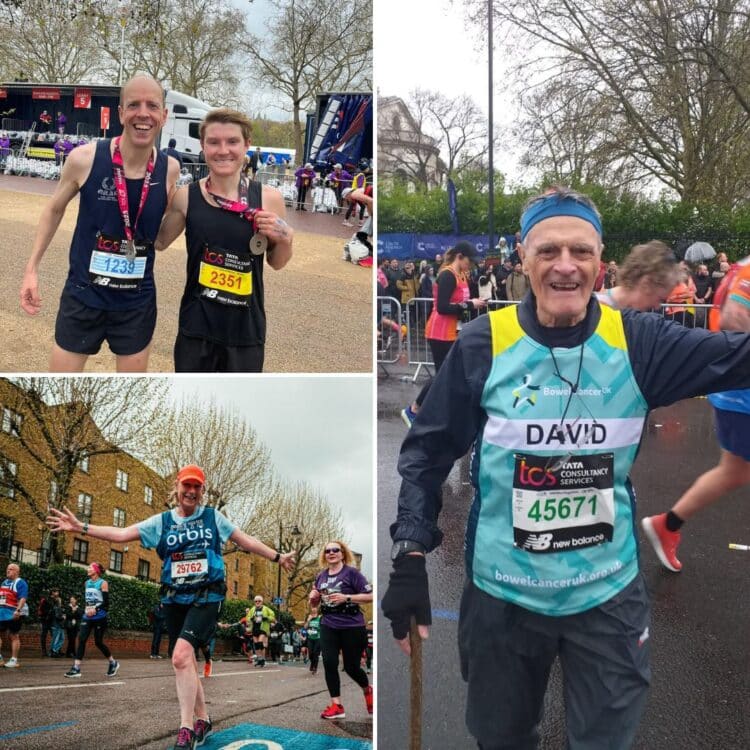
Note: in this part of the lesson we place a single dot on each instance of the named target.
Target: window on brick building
(144, 569)
(80, 551)
(115, 561)
(148, 495)
(121, 480)
(7, 488)
(52, 496)
(83, 464)
(6, 534)
(85, 502)
(237, 564)
(235, 588)
(11, 422)
(16, 551)
(118, 518)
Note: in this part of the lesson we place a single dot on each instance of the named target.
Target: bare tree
(312, 47)
(293, 517)
(237, 464)
(47, 40)
(635, 72)
(60, 421)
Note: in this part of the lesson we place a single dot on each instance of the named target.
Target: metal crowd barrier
(15, 164)
(390, 341)
(416, 312)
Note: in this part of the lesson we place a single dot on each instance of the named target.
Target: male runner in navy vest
(189, 539)
(553, 393)
(124, 186)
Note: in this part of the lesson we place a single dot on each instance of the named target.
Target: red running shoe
(208, 669)
(368, 698)
(664, 541)
(334, 711)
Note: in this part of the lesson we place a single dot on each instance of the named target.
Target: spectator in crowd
(61, 121)
(502, 271)
(486, 284)
(719, 273)
(44, 613)
(73, 615)
(717, 261)
(171, 150)
(427, 283)
(437, 264)
(610, 280)
(303, 178)
(601, 275)
(255, 161)
(408, 284)
(57, 626)
(703, 293)
(393, 274)
(60, 152)
(647, 276)
(339, 179)
(680, 300)
(4, 147)
(157, 616)
(381, 277)
(517, 283)
(46, 119)
(502, 249)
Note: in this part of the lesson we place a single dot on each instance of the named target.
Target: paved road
(138, 708)
(700, 695)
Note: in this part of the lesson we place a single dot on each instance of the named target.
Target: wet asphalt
(700, 692)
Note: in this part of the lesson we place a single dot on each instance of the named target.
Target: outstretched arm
(251, 544)
(64, 520)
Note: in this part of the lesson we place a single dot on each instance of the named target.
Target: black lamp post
(294, 532)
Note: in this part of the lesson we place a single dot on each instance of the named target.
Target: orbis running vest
(552, 524)
(190, 553)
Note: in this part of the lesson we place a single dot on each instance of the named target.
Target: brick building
(111, 489)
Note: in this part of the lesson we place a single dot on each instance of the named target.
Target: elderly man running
(553, 393)
(189, 539)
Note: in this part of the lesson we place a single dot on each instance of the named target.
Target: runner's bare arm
(173, 223)
(74, 174)
(173, 174)
(271, 222)
(251, 544)
(64, 520)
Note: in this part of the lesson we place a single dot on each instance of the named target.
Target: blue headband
(554, 205)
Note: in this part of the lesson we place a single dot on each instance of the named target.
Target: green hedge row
(627, 219)
(130, 600)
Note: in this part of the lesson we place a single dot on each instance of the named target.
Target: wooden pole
(415, 693)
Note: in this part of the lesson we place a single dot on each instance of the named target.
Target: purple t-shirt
(347, 581)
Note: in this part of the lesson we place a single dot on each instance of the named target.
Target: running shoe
(202, 728)
(368, 698)
(347, 223)
(408, 416)
(334, 711)
(73, 672)
(12, 663)
(664, 541)
(208, 669)
(112, 669)
(185, 739)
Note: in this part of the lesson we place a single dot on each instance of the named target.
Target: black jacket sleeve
(446, 283)
(671, 362)
(444, 430)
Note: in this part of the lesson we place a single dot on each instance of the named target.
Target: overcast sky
(427, 45)
(319, 431)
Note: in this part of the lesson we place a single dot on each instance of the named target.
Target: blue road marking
(261, 737)
(36, 730)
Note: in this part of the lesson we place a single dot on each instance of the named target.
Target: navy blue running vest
(99, 212)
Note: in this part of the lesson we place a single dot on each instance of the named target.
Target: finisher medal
(258, 244)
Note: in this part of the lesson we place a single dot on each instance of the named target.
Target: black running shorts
(195, 623)
(82, 329)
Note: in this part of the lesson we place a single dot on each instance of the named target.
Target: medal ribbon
(118, 168)
(238, 207)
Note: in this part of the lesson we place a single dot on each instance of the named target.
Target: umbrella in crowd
(699, 252)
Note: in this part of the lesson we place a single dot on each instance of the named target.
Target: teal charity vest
(94, 597)
(552, 535)
(191, 552)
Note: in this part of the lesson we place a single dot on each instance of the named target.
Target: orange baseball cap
(186, 473)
